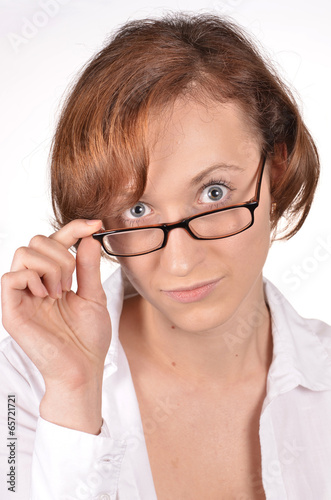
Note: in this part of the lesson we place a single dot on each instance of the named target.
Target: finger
(13, 284)
(46, 268)
(59, 254)
(88, 270)
(69, 234)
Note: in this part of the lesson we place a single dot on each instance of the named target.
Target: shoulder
(285, 317)
(322, 331)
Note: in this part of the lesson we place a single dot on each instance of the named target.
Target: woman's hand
(65, 334)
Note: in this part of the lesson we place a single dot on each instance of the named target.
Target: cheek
(247, 251)
(138, 270)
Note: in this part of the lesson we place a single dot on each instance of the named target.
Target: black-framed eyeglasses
(212, 225)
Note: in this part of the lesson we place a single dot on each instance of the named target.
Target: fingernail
(92, 221)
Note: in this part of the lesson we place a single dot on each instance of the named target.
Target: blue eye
(137, 211)
(213, 192)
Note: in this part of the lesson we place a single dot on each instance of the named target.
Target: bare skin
(202, 433)
(65, 334)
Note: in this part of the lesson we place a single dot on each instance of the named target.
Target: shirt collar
(299, 356)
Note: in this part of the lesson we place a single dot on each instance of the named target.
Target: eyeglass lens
(215, 225)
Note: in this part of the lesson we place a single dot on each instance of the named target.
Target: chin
(200, 317)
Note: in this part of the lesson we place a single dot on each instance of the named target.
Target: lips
(193, 293)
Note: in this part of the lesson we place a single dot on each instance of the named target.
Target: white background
(44, 43)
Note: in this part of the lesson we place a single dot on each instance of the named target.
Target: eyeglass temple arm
(259, 184)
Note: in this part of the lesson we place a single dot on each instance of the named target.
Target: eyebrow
(219, 166)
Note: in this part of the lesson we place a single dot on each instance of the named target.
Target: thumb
(88, 270)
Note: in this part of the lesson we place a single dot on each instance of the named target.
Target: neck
(239, 350)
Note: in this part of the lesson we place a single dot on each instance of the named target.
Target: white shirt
(56, 463)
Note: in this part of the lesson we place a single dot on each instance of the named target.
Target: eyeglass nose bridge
(183, 224)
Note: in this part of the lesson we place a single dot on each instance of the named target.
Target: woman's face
(202, 157)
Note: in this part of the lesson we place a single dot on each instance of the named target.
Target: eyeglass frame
(251, 205)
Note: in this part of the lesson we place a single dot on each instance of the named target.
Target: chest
(201, 445)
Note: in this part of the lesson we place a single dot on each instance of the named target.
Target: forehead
(192, 136)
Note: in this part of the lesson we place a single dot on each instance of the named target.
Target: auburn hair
(99, 156)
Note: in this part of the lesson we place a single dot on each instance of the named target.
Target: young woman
(187, 375)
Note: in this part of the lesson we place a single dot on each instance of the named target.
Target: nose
(182, 253)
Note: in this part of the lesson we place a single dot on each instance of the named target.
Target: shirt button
(111, 458)
(103, 496)
(105, 458)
